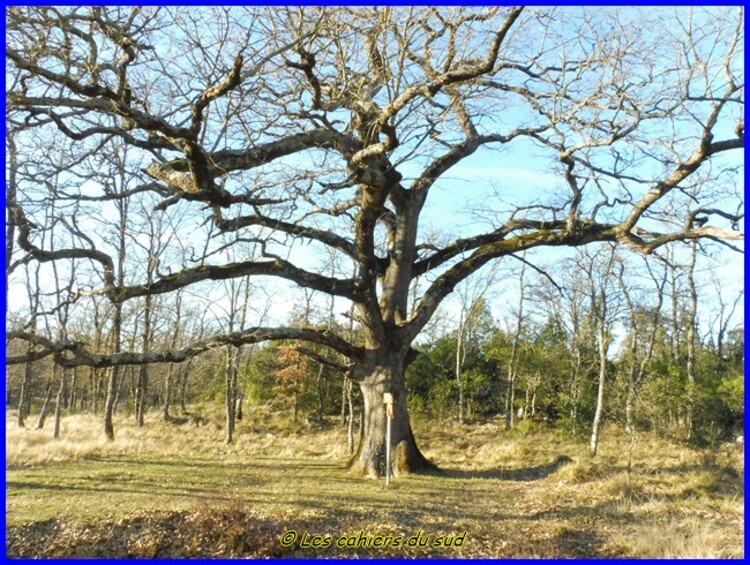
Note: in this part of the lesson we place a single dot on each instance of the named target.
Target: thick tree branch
(227, 160)
(278, 268)
(24, 242)
(446, 282)
(70, 353)
(460, 246)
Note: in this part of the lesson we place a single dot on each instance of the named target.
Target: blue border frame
(3, 299)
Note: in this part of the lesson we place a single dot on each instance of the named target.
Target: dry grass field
(174, 489)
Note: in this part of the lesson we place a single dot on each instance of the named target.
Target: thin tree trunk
(58, 404)
(344, 395)
(321, 393)
(527, 403)
(142, 385)
(94, 376)
(243, 388)
(121, 384)
(574, 392)
(23, 401)
(183, 388)
(513, 364)
(674, 336)
(230, 391)
(167, 392)
(170, 371)
(459, 365)
(600, 391)
(11, 190)
(113, 383)
(47, 397)
(93, 372)
(73, 391)
(140, 395)
(113, 389)
(65, 394)
(24, 396)
(634, 338)
(600, 307)
(574, 312)
(691, 323)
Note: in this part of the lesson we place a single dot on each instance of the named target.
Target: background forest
(672, 365)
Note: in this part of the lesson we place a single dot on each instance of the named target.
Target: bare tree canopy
(329, 128)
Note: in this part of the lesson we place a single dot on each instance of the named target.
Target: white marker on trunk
(388, 401)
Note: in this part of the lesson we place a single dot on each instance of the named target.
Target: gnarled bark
(386, 374)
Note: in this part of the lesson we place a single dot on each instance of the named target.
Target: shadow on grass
(219, 464)
(137, 488)
(572, 543)
(524, 474)
(612, 510)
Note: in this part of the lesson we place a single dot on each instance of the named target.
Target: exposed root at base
(403, 463)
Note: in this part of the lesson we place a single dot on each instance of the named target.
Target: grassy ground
(174, 489)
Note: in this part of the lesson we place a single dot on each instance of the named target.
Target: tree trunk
(513, 364)
(230, 376)
(369, 458)
(140, 395)
(47, 396)
(183, 388)
(600, 393)
(120, 386)
(65, 394)
(113, 383)
(321, 393)
(629, 399)
(167, 392)
(94, 376)
(23, 395)
(574, 393)
(630, 391)
(510, 398)
(691, 323)
(58, 404)
(459, 365)
(344, 395)
(11, 190)
(527, 404)
(674, 295)
(73, 390)
(113, 390)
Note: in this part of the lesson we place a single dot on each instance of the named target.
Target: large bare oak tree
(332, 126)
